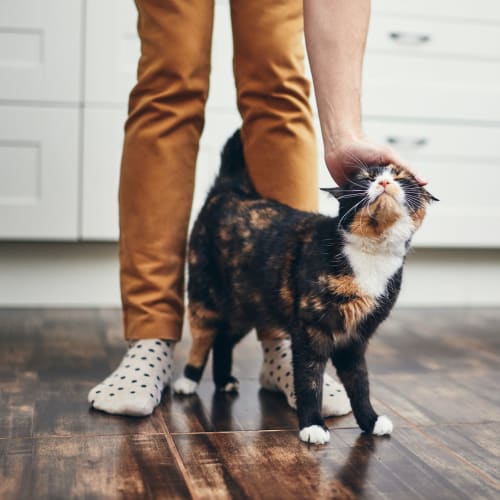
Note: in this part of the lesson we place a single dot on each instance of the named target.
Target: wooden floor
(436, 373)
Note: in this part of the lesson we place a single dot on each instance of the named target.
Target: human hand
(357, 152)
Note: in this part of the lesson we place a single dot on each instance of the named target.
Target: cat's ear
(429, 197)
(335, 191)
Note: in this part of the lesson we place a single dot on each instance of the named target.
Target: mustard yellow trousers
(166, 117)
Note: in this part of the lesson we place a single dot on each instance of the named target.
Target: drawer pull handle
(409, 38)
(407, 142)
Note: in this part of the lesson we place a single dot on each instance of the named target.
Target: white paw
(185, 385)
(383, 426)
(314, 434)
(230, 387)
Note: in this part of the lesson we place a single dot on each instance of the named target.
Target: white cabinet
(40, 50)
(112, 51)
(40, 92)
(38, 173)
(66, 68)
(432, 69)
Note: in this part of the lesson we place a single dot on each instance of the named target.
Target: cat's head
(377, 197)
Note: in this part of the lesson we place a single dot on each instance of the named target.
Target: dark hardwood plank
(434, 372)
(49, 360)
(253, 408)
(434, 398)
(32, 408)
(476, 444)
(89, 467)
(277, 465)
(414, 341)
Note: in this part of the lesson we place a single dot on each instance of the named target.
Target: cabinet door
(40, 48)
(425, 68)
(38, 173)
(112, 50)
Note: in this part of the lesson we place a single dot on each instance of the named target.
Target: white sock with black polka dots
(277, 375)
(135, 387)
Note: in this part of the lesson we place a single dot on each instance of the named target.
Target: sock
(135, 387)
(277, 375)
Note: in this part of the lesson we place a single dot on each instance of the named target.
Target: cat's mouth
(386, 202)
(384, 195)
(390, 192)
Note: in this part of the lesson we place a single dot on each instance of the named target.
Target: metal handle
(407, 142)
(409, 38)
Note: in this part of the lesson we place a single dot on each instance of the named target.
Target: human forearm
(336, 36)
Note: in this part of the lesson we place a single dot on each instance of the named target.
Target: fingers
(347, 160)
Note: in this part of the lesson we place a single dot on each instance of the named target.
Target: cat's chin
(386, 198)
(376, 218)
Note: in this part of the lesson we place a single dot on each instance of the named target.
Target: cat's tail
(233, 173)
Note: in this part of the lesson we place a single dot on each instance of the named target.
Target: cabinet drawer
(40, 47)
(480, 10)
(462, 165)
(431, 141)
(38, 173)
(427, 87)
(433, 37)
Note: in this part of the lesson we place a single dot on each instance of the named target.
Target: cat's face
(376, 198)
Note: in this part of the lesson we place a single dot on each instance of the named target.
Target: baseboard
(86, 275)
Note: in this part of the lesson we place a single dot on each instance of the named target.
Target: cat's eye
(363, 176)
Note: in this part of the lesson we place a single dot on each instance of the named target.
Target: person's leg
(166, 115)
(279, 142)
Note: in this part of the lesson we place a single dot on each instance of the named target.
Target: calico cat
(327, 282)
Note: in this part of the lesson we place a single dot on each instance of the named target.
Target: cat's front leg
(308, 381)
(351, 369)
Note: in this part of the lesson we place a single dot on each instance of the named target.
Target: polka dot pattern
(141, 376)
(277, 375)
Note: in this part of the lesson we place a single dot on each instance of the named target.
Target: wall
(86, 274)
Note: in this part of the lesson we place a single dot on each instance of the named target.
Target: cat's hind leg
(223, 362)
(205, 324)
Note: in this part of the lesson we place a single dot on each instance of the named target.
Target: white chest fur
(375, 260)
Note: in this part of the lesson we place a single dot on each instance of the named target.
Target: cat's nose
(384, 183)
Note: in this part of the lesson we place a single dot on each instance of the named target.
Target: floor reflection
(350, 480)
(221, 410)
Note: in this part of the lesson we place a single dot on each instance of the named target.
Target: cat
(326, 281)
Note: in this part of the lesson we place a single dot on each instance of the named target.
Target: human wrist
(340, 139)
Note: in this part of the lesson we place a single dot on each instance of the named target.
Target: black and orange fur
(254, 262)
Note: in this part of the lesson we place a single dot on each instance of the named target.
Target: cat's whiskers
(357, 184)
(360, 225)
(354, 195)
(350, 210)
